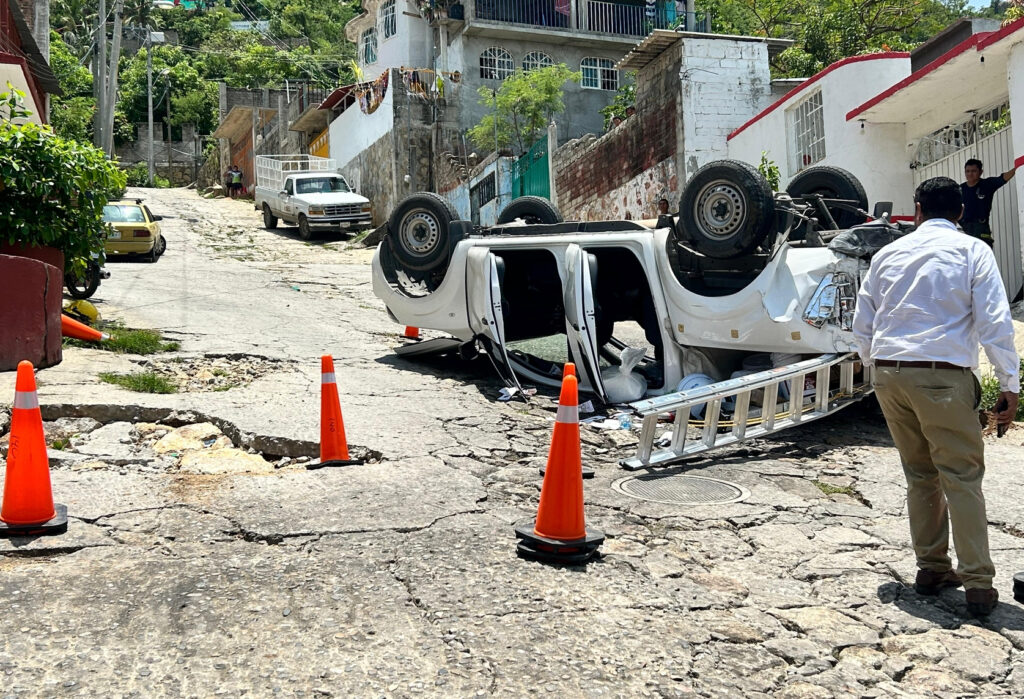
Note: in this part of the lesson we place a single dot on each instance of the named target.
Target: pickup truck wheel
(531, 210)
(832, 183)
(269, 219)
(304, 231)
(418, 231)
(726, 210)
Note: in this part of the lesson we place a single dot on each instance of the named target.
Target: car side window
(289, 187)
(149, 214)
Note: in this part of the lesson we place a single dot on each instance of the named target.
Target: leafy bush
(137, 175)
(52, 189)
(769, 170)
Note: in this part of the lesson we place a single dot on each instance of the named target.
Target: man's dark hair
(975, 162)
(940, 197)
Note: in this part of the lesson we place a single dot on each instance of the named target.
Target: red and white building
(896, 119)
(24, 49)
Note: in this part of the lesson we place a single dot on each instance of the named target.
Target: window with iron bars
(369, 46)
(386, 19)
(806, 126)
(949, 139)
(599, 74)
(496, 64)
(536, 59)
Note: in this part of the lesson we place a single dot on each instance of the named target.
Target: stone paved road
(194, 568)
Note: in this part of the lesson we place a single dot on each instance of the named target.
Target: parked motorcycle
(83, 284)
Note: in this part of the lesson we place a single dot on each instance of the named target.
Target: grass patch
(60, 443)
(990, 393)
(145, 382)
(127, 341)
(830, 489)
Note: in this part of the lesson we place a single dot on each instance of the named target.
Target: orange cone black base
(540, 548)
(313, 465)
(333, 445)
(57, 525)
(27, 507)
(559, 534)
(411, 333)
(587, 472)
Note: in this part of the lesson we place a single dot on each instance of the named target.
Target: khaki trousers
(933, 417)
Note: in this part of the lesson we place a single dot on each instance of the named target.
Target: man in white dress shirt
(926, 303)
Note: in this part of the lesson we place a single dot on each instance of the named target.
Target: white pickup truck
(307, 191)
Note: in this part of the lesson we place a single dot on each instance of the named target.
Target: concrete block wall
(724, 83)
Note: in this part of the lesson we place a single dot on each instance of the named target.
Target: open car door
(581, 317)
(486, 318)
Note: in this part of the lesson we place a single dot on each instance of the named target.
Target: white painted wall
(876, 154)
(724, 84)
(411, 45)
(1015, 78)
(352, 132)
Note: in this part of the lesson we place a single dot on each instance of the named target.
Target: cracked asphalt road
(400, 578)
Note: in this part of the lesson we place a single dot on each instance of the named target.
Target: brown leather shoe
(981, 602)
(932, 582)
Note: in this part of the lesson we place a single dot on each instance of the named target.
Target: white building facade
(894, 122)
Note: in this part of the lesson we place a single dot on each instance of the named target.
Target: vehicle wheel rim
(420, 232)
(721, 209)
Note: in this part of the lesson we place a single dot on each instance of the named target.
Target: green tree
(52, 189)
(71, 113)
(522, 107)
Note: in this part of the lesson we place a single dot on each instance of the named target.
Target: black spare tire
(531, 210)
(832, 183)
(418, 231)
(726, 210)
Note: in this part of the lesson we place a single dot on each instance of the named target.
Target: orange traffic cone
(569, 370)
(69, 327)
(560, 534)
(411, 333)
(28, 508)
(333, 447)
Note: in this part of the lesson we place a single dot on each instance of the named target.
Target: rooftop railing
(598, 16)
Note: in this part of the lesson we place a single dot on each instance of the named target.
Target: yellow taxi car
(134, 230)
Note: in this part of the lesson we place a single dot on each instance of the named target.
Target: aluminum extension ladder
(748, 422)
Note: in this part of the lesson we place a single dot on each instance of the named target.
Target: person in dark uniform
(977, 192)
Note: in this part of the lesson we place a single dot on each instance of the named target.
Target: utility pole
(111, 100)
(170, 159)
(99, 125)
(149, 97)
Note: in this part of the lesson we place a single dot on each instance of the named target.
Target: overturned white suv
(740, 274)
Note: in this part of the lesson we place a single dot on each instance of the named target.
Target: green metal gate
(530, 172)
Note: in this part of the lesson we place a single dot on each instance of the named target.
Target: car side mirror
(284, 193)
(158, 218)
(882, 208)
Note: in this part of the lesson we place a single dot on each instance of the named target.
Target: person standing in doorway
(235, 181)
(925, 304)
(977, 194)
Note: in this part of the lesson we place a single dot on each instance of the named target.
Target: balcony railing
(598, 16)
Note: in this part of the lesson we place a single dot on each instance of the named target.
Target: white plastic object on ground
(621, 383)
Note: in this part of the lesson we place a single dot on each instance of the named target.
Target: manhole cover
(680, 489)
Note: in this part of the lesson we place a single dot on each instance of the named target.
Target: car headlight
(365, 209)
(833, 302)
(316, 210)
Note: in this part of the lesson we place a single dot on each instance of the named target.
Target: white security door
(996, 152)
